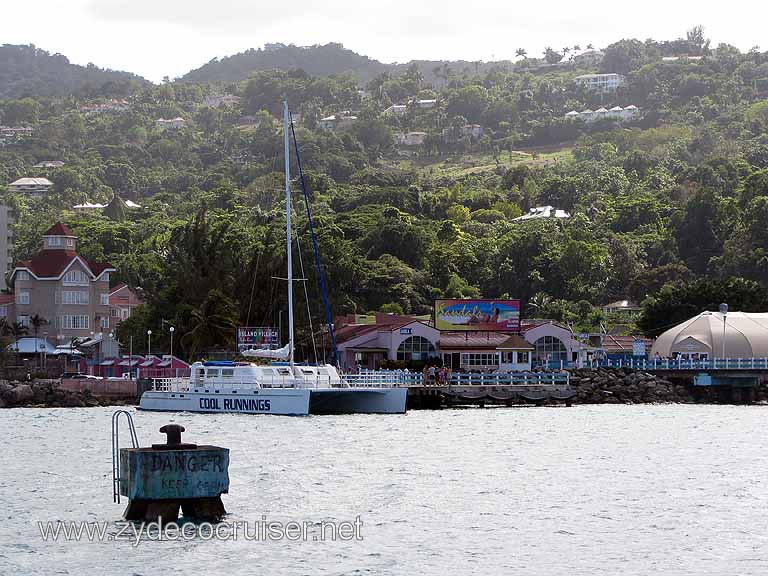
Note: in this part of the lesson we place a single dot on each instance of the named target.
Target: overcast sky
(155, 38)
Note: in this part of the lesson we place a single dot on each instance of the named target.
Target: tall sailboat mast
(286, 130)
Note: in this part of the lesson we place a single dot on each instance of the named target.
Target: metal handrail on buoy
(116, 449)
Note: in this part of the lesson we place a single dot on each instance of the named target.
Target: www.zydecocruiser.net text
(262, 530)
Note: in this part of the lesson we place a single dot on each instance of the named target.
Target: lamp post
(724, 312)
(130, 358)
(149, 342)
(172, 330)
(45, 349)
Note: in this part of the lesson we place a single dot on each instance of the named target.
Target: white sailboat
(284, 388)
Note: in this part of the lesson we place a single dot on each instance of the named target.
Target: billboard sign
(480, 315)
(257, 337)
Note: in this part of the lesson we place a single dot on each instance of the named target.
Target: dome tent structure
(745, 334)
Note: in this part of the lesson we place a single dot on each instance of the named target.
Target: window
(550, 349)
(105, 277)
(75, 322)
(54, 241)
(522, 358)
(23, 320)
(124, 313)
(480, 359)
(22, 297)
(415, 348)
(227, 372)
(104, 322)
(3, 311)
(74, 297)
(115, 313)
(104, 299)
(75, 278)
(22, 275)
(70, 242)
(213, 373)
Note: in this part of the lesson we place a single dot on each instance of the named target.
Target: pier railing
(680, 364)
(383, 379)
(406, 379)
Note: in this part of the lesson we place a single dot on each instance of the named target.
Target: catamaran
(283, 387)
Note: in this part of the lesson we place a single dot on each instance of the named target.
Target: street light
(149, 342)
(172, 330)
(724, 312)
(45, 349)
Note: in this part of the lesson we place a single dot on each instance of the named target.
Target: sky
(157, 38)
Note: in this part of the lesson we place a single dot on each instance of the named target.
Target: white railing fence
(377, 379)
(403, 378)
(684, 364)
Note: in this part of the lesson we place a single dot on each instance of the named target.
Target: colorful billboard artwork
(499, 315)
(263, 337)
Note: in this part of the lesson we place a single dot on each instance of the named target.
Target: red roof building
(67, 290)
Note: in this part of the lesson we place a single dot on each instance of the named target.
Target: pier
(474, 389)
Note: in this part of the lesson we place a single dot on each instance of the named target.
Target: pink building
(122, 302)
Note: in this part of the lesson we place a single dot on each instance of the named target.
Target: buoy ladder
(116, 449)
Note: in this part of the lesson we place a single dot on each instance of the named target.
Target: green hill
(325, 60)
(30, 71)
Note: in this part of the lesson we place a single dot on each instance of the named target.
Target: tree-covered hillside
(419, 202)
(30, 71)
(325, 60)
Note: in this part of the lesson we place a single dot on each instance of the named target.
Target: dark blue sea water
(587, 490)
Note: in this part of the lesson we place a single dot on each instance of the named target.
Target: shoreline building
(122, 302)
(711, 335)
(6, 243)
(410, 339)
(68, 291)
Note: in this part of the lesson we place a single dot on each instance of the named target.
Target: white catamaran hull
(358, 401)
(281, 401)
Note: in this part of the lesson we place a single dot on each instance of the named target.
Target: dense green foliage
(679, 195)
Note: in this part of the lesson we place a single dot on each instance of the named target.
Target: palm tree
(539, 302)
(521, 53)
(37, 322)
(17, 330)
(213, 323)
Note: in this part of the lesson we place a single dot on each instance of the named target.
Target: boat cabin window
(283, 371)
(213, 372)
(322, 371)
(227, 372)
(201, 372)
(307, 372)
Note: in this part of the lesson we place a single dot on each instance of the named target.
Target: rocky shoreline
(592, 386)
(625, 386)
(47, 394)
